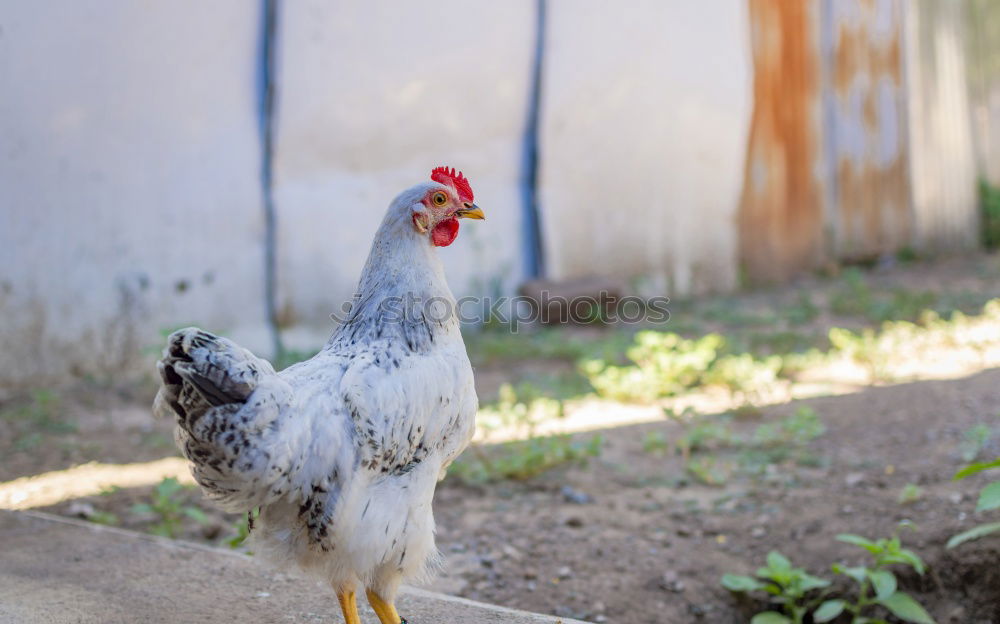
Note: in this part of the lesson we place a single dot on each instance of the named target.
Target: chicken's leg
(385, 611)
(349, 605)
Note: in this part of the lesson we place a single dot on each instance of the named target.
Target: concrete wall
(367, 112)
(129, 192)
(646, 107)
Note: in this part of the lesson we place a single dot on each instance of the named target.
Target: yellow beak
(470, 211)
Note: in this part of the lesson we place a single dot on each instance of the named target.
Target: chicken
(341, 453)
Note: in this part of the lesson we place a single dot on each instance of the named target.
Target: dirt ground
(630, 536)
(629, 542)
(627, 538)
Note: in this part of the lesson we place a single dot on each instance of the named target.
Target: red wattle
(445, 233)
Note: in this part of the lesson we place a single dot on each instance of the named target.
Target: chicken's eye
(439, 199)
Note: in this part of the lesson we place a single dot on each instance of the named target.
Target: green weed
(853, 297)
(974, 440)
(521, 460)
(36, 419)
(519, 411)
(989, 499)
(856, 298)
(168, 509)
(910, 493)
(706, 434)
(795, 593)
(788, 586)
(655, 443)
(491, 346)
(802, 311)
(864, 348)
(709, 470)
(104, 517)
(989, 210)
(729, 312)
(800, 428)
(664, 364)
(770, 444)
(242, 529)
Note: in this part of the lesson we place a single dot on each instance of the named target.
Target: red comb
(446, 176)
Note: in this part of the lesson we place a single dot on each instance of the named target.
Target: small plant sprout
(655, 443)
(242, 529)
(788, 587)
(800, 428)
(989, 499)
(103, 517)
(521, 460)
(974, 440)
(802, 311)
(168, 509)
(910, 493)
(877, 585)
(704, 435)
(521, 410)
(797, 593)
(709, 471)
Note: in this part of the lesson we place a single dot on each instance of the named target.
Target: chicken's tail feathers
(200, 370)
(228, 404)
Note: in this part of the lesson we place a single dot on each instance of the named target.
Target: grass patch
(519, 412)
(989, 211)
(35, 420)
(665, 364)
(492, 346)
(167, 510)
(713, 451)
(521, 460)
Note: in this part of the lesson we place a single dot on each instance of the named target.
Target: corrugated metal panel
(983, 66)
(781, 215)
(869, 195)
(941, 154)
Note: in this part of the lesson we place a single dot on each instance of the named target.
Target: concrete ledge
(58, 570)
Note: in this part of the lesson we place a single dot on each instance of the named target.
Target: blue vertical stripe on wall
(265, 104)
(534, 258)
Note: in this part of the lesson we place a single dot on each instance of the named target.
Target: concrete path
(59, 571)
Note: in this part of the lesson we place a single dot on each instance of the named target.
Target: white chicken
(341, 453)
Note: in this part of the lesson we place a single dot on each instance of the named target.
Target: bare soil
(628, 538)
(631, 542)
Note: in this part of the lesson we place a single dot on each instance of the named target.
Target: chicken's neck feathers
(402, 276)
(402, 262)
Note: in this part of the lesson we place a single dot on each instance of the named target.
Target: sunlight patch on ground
(900, 353)
(926, 362)
(57, 486)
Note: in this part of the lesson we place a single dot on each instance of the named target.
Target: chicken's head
(442, 204)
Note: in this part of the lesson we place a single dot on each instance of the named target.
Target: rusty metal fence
(862, 139)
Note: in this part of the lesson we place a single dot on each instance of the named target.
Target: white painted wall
(646, 109)
(373, 96)
(130, 156)
(128, 164)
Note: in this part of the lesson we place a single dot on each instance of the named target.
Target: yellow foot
(349, 605)
(385, 611)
